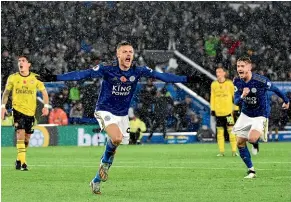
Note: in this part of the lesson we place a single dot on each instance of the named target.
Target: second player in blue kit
(251, 94)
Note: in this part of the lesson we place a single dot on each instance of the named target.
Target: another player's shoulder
(32, 74)
(260, 78)
(236, 81)
(214, 83)
(14, 75)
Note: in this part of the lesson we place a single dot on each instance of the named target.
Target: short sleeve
(39, 85)
(9, 84)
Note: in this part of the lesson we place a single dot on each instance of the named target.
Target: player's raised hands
(245, 92)
(285, 106)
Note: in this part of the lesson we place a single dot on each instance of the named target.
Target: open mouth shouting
(127, 59)
(240, 73)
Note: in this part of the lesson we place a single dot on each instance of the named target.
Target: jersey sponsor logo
(96, 68)
(132, 78)
(251, 100)
(107, 118)
(121, 90)
(254, 90)
(24, 90)
(123, 79)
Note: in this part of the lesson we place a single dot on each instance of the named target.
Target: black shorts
(224, 121)
(22, 121)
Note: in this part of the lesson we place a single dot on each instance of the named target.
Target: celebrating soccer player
(24, 86)
(222, 107)
(119, 84)
(251, 93)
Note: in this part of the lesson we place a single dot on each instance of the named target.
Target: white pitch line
(147, 167)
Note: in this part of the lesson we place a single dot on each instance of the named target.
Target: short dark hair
(123, 43)
(244, 59)
(24, 56)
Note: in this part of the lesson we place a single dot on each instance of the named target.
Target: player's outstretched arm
(95, 72)
(280, 94)
(168, 77)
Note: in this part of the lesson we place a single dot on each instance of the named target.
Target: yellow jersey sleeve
(9, 84)
(39, 85)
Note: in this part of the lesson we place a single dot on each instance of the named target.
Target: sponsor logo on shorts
(107, 118)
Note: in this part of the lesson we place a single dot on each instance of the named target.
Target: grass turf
(148, 173)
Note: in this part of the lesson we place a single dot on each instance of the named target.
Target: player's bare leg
(254, 136)
(246, 156)
(115, 135)
(26, 141)
(21, 150)
(114, 141)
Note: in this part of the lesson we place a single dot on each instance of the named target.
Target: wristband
(46, 105)
(3, 106)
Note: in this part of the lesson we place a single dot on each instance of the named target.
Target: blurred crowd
(66, 36)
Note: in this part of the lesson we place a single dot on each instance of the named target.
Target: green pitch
(148, 173)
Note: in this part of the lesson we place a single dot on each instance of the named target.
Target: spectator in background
(182, 110)
(62, 100)
(194, 122)
(161, 112)
(89, 95)
(76, 113)
(147, 97)
(274, 119)
(58, 116)
(74, 94)
(6, 67)
(136, 127)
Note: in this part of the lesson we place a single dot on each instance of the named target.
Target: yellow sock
(232, 140)
(220, 139)
(21, 151)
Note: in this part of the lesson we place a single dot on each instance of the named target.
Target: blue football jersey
(257, 102)
(118, 86)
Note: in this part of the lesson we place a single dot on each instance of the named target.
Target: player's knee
(117, 139)
(20, 133)
(241, 143)
(253, 139)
